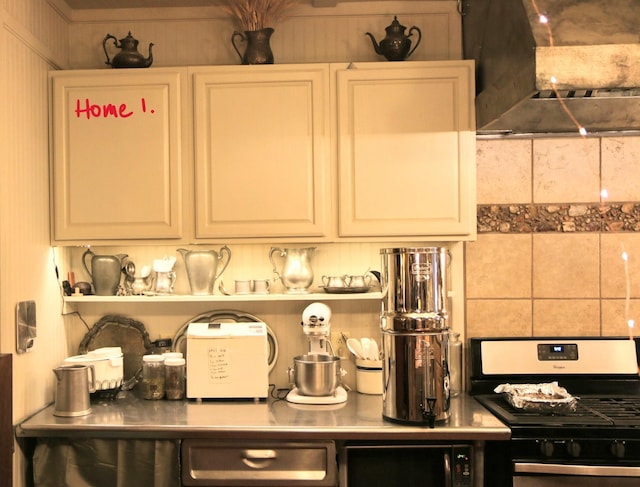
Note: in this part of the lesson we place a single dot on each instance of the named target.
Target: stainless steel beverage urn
(415, 335)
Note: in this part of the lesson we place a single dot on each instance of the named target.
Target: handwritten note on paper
(219, 364)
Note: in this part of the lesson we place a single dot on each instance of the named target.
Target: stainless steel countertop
(359, 418)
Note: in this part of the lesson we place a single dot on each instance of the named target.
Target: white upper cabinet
(406, 149)
(296, 152)
(117, 155)
(262, 151)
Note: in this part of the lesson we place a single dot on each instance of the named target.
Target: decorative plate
(119, 331)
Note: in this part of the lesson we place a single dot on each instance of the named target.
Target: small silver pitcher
(72, 389)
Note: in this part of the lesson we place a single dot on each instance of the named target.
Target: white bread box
(227, 361)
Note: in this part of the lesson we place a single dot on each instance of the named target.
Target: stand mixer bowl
(316, 375)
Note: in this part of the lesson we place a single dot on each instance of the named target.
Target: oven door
(561, 475)
(409, 464)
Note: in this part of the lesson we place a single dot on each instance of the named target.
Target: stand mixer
(319, 367)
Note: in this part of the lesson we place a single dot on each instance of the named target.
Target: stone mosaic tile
(531, 218)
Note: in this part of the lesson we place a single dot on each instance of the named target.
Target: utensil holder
(369, 376)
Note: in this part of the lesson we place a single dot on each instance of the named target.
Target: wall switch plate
(339, 343)
(25, 326)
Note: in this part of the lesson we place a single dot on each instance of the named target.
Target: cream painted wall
(33, 40)
(187, 36)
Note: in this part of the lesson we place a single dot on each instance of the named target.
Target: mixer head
(316, 320)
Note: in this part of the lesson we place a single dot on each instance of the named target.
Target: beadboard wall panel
(33, 40)
(27, 268)
(335, 34)
(41, 25)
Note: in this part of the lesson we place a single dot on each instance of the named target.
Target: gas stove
(598, 442)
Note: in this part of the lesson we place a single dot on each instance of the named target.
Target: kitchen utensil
(375, 350)
(202, 268)
(355, 348)
(72, 390)
(128, 57)
(243, 286)
(296, 274)
(359, 281)
(335, 281)
(105, 272)
(396, 46)
(366, 348)
(261, 286)
(140, 285)
(316, 375)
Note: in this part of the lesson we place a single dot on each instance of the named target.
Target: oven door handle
(584, 470)
(447, 470)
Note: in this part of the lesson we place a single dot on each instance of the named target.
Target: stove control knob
(546, 448)
(618, 448)
(573, 448)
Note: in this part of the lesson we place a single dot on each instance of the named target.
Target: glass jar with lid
(152, 382)
(174, 377)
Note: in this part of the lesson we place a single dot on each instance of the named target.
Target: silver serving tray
(346, 289)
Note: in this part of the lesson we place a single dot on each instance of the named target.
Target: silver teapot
(296, 274)
(396, 46)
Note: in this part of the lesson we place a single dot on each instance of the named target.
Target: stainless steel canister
(414, 284)
(415, 336)
(415, 375)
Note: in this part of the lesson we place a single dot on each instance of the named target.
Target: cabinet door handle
(258, 458)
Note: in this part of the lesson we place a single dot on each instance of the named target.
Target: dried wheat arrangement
(257, 14)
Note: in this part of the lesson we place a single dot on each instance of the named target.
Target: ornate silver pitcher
(297, 274)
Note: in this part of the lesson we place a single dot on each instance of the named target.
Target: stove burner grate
(622, 411)
(591, 411)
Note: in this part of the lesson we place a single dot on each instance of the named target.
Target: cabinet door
(261, 139)
(406, 149)
(117, 155)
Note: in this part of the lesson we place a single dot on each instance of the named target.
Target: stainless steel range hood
(593, 53)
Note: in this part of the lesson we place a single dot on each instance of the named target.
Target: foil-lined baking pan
(545, 398)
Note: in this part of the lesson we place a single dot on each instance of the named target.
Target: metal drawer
(258, 463)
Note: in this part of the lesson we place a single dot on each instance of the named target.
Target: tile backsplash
(548, 258)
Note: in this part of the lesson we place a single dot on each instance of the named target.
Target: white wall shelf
(220, 298)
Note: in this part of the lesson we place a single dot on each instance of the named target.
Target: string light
(604, 194)
(544, 20)
(627, 300)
